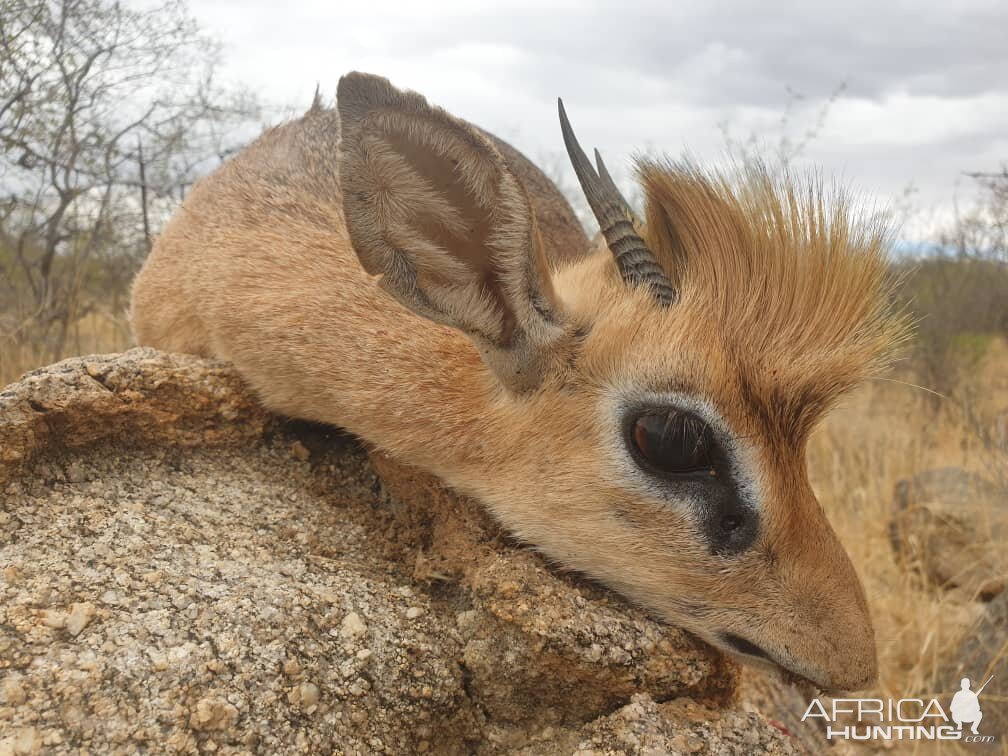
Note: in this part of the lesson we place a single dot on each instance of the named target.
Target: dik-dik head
(654, 401)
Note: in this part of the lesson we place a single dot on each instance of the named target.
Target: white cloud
(904, 120)
(927, 94)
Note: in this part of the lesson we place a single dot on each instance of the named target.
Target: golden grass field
(93, 334)
(883, 432)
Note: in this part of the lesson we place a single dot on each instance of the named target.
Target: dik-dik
(638, 413)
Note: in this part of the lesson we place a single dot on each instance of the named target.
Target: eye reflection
(674, 443)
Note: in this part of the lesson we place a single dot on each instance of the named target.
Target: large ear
(432, 208)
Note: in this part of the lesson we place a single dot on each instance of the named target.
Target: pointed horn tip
(597, 184)
(600, 164)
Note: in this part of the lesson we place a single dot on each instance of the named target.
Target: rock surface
(950, 525)
(183, 572)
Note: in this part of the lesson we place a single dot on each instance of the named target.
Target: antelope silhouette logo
(965, 705)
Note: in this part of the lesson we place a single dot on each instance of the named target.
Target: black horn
(637, 264)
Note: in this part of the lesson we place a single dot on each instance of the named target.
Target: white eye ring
(618, 405)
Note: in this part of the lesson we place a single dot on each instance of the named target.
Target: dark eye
(671, 442)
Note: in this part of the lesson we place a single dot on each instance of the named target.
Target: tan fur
(779, 312)
(801, 280)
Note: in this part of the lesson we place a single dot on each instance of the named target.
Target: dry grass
(885, 432)
(95, 333)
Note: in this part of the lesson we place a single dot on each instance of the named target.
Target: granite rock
(180, 571)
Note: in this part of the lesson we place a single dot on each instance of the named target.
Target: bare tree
(789, 140)
(982, 232)
(85, 86)
(958, 291)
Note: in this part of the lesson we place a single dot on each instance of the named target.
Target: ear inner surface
(432, 207)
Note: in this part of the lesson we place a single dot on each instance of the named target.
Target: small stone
(53, 738)
(300, 451)
(12, 574)
(109, 597)
(327, 595)
(25, 741)
(292, 668)
(413, 612)
(13, 691)
(159, 662)
(364, 654)
(213, 713)
(309, 695)
(80, 617)
(347, 669)
(352, 626)
(54, 618)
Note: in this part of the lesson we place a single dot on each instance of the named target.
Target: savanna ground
(86, 182)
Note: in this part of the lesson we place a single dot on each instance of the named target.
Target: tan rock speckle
(80, 617)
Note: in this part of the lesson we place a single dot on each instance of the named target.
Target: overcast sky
(925, 97)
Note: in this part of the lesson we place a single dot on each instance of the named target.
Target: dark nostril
(730, 523)
(743, 646)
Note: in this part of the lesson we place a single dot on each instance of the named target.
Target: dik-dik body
(639, 413)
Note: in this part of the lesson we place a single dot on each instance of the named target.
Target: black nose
(743, 646)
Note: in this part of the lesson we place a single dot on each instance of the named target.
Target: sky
(903, 98)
